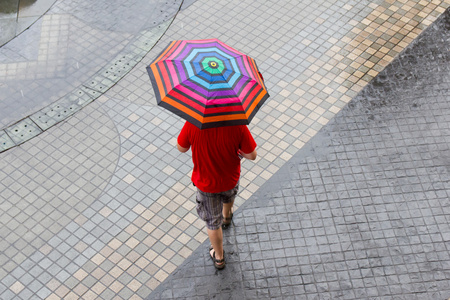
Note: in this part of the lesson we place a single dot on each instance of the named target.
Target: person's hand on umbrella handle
(251, 156)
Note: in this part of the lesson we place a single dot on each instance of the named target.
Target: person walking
(216, 154)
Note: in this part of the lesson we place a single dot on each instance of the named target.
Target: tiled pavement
(362, 211)
(100, 206)
(71, 55)
(18, 15)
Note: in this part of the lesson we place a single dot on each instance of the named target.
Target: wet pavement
(347, 200)
(361, 211)
(18, 15)
(74, 52)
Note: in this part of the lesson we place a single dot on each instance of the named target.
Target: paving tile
(152, 165)
(357, 230)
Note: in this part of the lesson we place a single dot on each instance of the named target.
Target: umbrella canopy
(207, 83)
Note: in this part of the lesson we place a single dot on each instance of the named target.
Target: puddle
(9, 9)
(18, 15)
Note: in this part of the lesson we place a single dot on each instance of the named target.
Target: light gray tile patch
(39, 155)
(122, 214)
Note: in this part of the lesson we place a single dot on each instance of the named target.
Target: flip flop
(218, 263)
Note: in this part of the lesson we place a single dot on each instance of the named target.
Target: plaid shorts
(210, 206)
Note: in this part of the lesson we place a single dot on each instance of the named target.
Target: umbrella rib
(165, 62)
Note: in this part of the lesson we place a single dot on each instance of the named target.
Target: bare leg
(216, 239)
(227, 209)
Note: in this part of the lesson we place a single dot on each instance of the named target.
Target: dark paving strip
(361, 212)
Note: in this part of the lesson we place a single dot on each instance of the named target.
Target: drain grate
(92, 93)
(120, 66)
(23, 131)
(147, 39)
(5, 141)
(61, 109)
(99, 83)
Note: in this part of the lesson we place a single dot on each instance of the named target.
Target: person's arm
(183, 139)
(247, 145)
(182, 149)
(251, 156)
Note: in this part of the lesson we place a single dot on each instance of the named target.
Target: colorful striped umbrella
(208, 83)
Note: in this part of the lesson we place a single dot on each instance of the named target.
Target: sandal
(227, 222)
(218, 263)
